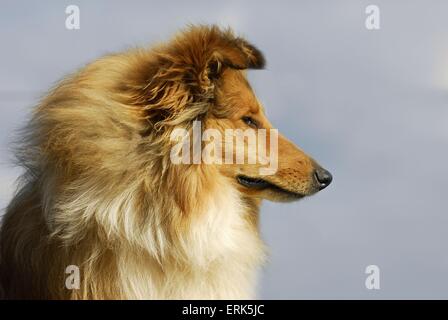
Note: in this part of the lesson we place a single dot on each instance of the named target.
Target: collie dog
(101, 194)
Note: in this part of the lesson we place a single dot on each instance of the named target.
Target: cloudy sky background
(370, 106)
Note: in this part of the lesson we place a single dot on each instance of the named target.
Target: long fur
(99, 190)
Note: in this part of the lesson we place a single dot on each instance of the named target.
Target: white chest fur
(222, 253)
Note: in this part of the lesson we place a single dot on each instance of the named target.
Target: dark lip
(261, 184)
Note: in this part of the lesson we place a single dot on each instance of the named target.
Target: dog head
(200, 76)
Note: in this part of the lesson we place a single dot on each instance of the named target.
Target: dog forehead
(237, 89)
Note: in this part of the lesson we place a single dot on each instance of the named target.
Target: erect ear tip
(255, 56)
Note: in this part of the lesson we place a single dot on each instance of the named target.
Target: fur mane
(101, 200)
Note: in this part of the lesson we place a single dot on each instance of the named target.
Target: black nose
(323, 177)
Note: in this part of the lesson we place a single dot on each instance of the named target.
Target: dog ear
(204, 52)
(240, 54)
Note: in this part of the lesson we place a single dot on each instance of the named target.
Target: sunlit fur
(99, 190)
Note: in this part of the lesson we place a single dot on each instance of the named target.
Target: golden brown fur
(100, 191)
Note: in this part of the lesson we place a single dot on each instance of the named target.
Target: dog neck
(214, 250)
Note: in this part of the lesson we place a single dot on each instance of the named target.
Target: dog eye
(250, 121)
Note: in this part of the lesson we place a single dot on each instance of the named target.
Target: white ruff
(222, 254)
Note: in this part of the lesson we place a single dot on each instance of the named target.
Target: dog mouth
(261, 184)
